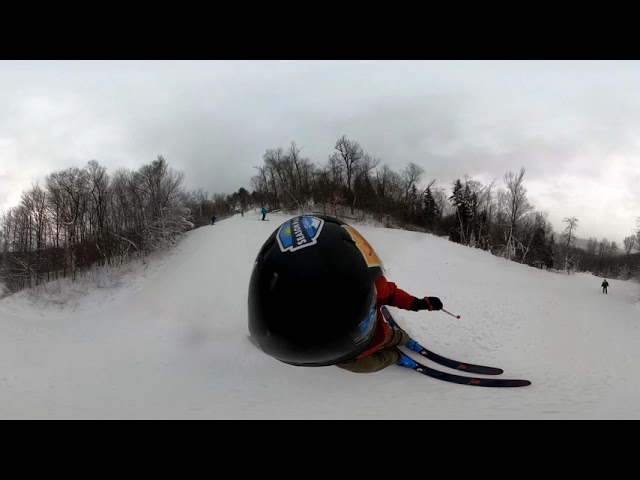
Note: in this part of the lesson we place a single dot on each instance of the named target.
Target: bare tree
(383, 179)
(299, 172)
(516, 207)
(99, 190)
(350, 154)
(568, 238)
(629, 243)
(363, 184)
(260, 185)
(34, 204)
(410, 176)
(336, 170)
(70, 190)
(276, 166)
(163, 201)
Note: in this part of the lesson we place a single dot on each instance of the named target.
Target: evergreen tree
(430, 211)
(457, 233)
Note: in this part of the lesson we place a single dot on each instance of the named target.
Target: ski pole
(457, 316)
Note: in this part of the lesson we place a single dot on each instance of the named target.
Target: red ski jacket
(387, 294)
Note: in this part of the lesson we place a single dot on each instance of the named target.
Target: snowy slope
(172, 341)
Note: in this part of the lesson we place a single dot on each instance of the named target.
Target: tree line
(82, 217)
(495, 217)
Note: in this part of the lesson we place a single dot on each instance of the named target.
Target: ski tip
(508, 383)
(520, 383)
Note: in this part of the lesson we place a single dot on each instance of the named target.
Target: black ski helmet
(312, 298)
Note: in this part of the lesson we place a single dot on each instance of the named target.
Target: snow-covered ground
(168, 339)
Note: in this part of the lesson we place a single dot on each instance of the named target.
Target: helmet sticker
(299, 232)
(367, 251)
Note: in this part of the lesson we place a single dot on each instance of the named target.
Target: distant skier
(315, 295)
(213, 219)
(605, 284)
(264, 212)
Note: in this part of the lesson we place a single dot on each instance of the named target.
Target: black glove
(426, 303)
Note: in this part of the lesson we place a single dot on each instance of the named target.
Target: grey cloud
(215, 119)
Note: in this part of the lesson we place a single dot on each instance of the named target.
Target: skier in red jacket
(315, 295)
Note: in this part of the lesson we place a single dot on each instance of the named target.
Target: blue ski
(447, 362)
(461, 379)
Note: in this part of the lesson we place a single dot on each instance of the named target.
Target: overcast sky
(572, 124)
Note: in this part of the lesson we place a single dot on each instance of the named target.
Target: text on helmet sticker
(299, 232)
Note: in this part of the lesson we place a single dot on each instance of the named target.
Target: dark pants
(263, 215)
(376, 361)
(604, 290)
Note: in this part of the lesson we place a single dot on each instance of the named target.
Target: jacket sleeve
(390, 294)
